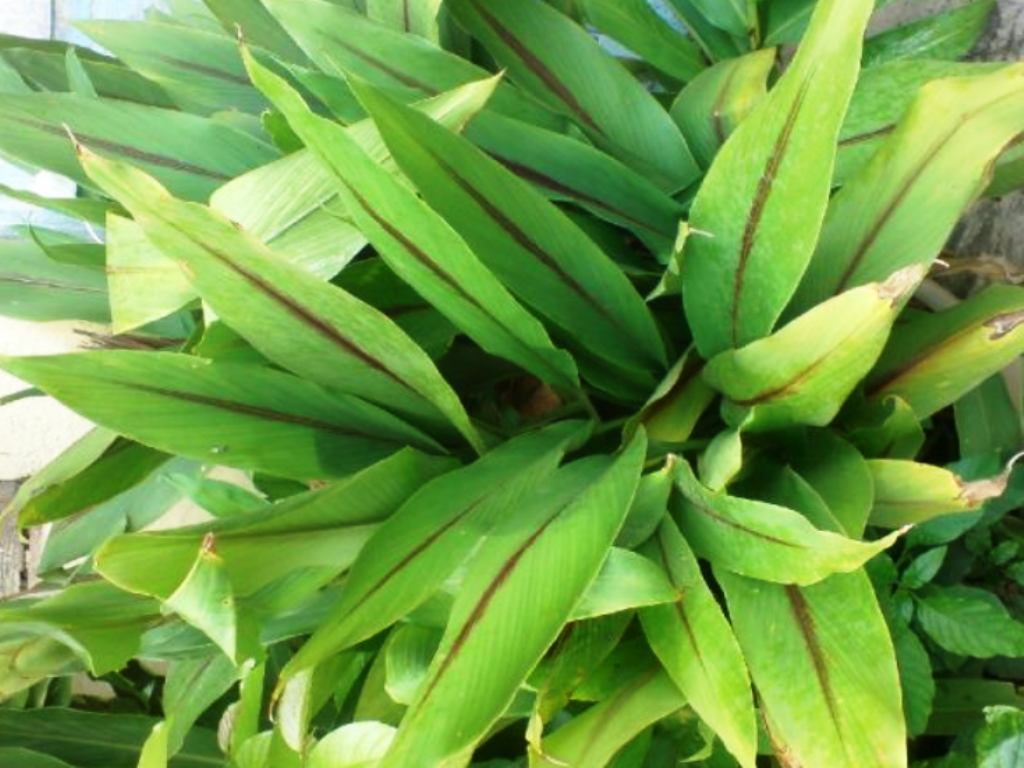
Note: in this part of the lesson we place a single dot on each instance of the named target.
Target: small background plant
(591, 410)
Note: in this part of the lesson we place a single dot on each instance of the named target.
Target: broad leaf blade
(409, 559)
(292, 204)
(93, 740)
(420, 247)
(344, 43)
(907, 493)
(948, 35)
(883, 95)
(557, 61)
(237, 415)
(803, 373)
(528, 574)
(192, 156)
(635, 24)
(929, 170)
(825, 668)
(145, 285)
(762, 540)
(538, 252)
(321, 530)
(315, 329)
(696, 645)
(202, 71)
(932, 360)
(709, 109)
(35, 287)
(594, 737)
(739, 276)
(565, 169)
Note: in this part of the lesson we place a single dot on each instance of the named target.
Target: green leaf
(120, 468)
(315, 329)
(711, 108)
(244, 716)
(10, 80)
(916, 678)
(78, 78)
(762, 540)
(960, 704)
(579, 653)
(97, 741)
(803, 373)
(907, 493)
(841, 477)
(696, 645)
(721, 461)
(636, 25)
(969, 622)
(418, 17)
(558, 62)
(529, 573)
(626, 581)
(139, 507)
(292, 204)
(43, 64)
(887, 428)
(650, 506)
(202, 71)
(934, 359)
(987, 422)
(594, 737)
(564, 169)
(1000, 744)
(786, 20)
(206, 601)
(190, 155)
(901, 207)
(947, 35)
(357, 745)
(24, 758)
(883, 95)
(409, 651)
(218, 497)
(35, 287)
(923, 569)
(100, 624)
(74, 460)
(732, 16)
(374, 283)
(420, 247)
(82, 209)
(193, 686)
(256, 24)
(345, 43)
(672, 412)
(716, 43)
(154, 751)
(429, 537)
(322, 531)
(237, 415)
(531, 246)
(739, 274)
(824, 667)
(144, 284)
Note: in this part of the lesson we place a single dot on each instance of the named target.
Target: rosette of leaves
(569, 396)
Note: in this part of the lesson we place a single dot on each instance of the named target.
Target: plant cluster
(593, 391)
